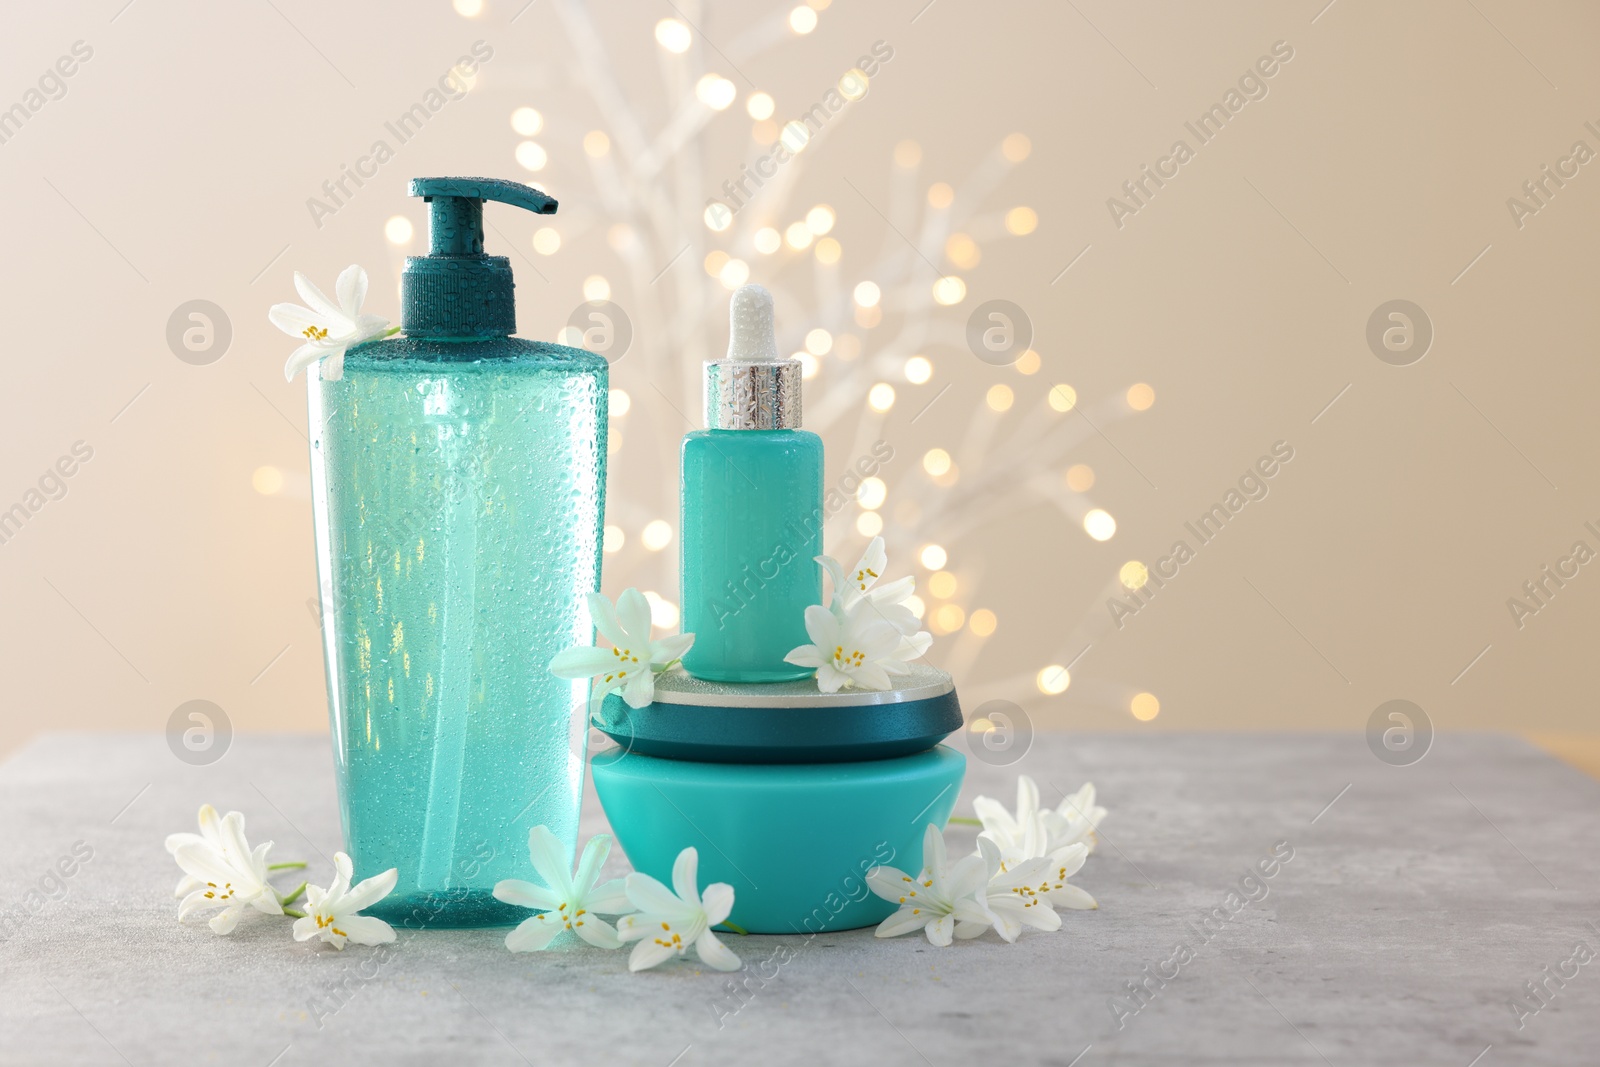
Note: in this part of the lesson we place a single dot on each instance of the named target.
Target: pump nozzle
(456, 290)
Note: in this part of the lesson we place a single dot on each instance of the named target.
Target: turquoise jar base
(794, 840)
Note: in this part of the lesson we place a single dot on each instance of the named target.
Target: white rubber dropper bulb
(751, 335)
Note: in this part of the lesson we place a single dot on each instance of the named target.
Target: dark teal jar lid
(784, 722)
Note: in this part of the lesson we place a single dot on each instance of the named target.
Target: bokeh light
(1144, 706)
(1099, 524)
(933, 557)
(656, 535)
(1053, 680)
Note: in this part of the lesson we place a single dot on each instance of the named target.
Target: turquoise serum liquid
(751, 510)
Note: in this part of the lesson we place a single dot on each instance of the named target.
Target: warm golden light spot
(1053, 680)
(1063, 397)
(614, 539)
(1099, 524)
(798, 235)
(936, 461)
(982, 622)
(948, 618)
(942, 584)
(907, 154)
(999, 398)
(1080, 477)
(869, 524)
(768, 240)
(760, 106)
(1027, 363)
(527, 121)
(1145, 707)
(1141, 396)
(1021, 221)
(933, 557)
(1133, 574)
(872, 494)
(881, 397)
(949, 290)
(820, 219)
(546, 241)
(918, 370)
(1016, 147)
(268, 481)
(963, 251)
(828, 251)
(940, 196)
(657, 534)
(398, 229)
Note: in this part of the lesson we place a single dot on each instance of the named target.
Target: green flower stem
(294, 896)
(285, 866)
(962, 820)
(293, 914)
(736, 928)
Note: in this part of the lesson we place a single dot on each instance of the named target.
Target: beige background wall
(178, 162)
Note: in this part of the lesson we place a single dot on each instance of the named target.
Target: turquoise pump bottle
(751, 510)
(458, 479)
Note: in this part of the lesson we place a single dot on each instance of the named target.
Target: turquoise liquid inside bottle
(459, 490)
(752, 528)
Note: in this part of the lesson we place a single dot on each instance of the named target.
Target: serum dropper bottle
(751, 509)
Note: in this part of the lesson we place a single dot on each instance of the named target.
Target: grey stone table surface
(1418, 903)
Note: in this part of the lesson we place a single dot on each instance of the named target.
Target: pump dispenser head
(752, 389)
(456, 290)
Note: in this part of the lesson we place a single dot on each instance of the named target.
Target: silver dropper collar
(752, 389)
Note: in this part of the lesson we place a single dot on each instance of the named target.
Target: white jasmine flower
(938, 899)
(889, 600)
(1034, 831)
(633, 661)
(667, 924)
(1052, 885)
(222, 871)
(210, 833)
(1075, 819)
(328, 328)
(1026, 892)
(567, 901)
(333, 914)
(855, 649)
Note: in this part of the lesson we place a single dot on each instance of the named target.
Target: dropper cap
(752, 389)
(456, 290)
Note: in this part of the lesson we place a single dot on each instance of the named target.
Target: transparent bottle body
(458, 492)
(751, 529)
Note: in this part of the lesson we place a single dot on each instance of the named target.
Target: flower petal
(597, 932)
(608, 898)
(647, 953)
(526, 894)
(295, 320)
(633, 612)
(822, 626)
(903, 921)
(684, 869)
(550, 860)
(715, 954)
(669, 648)
(351, 289)
(640, 691)
(890, 883)
(717, 902)
(224, 923)
(318, 303)
(941, 930)
(365, 930)
(1070, 896)
(305, 928)
(533, 934)
(806, 656)
(582, 661)
(652, 898)
(301, 358)
(595, 851)
(605, 620)
(371, 890)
